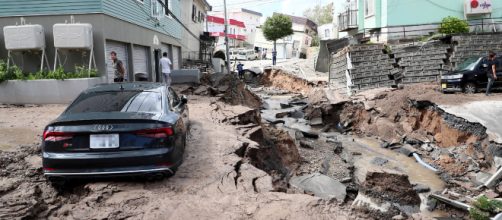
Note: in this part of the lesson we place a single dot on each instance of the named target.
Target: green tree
(453, 25)
(277, 27)
(320, 14)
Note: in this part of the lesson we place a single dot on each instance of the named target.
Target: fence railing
(347, 20)
(480, 25)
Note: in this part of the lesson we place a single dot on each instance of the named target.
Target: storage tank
(73, 36)
(24, 37)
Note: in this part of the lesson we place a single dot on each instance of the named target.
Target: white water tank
(24, 37)
(73, 36)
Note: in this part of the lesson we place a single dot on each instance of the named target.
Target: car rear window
(117, 101)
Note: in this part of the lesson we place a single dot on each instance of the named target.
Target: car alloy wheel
(470, 88)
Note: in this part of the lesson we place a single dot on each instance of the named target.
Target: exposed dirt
(238, 167)
(213, 180)
(279, 79)
(24, 125)
(390, 187)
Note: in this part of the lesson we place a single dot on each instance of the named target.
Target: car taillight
(57, 136)
(156, 133)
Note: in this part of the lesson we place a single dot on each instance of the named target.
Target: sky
(268, 7)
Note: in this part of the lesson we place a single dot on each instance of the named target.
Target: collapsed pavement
(245, 162)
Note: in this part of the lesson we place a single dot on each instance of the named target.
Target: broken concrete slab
(284, 106)
(407, 150)
(321, 185)
(498, 162)
(481, 178)
(316, 121)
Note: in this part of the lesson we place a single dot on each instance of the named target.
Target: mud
(239, 160)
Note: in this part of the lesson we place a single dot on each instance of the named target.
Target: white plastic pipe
(420, 161)
(494, 178)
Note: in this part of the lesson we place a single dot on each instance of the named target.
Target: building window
(194, 13)
(369, 8)
(199, 17)
(169, 7)
(156, 9)
(326, 33)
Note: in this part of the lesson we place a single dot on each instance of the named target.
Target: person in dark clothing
(240, 69)
(491, 71)
(274, 57)
(118, 68)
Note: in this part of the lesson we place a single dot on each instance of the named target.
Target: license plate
(104, 141)
(444, 86)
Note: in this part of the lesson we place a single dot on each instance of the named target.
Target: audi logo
(102, 127)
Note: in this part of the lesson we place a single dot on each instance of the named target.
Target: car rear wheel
(470, 88)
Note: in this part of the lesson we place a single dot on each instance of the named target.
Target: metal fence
(347, 20)
(481, 25)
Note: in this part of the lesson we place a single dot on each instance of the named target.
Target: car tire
(470, 88)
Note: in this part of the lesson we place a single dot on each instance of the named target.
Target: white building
(327, 32)
(251, 20)
(195, 19)
(293, 46)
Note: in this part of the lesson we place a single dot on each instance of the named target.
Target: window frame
(194, 13)
(369, 8)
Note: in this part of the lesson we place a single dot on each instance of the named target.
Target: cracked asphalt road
(205, 186)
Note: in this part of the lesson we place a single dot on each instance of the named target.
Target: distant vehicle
(247, 55)
(470, 77)
(234, 53)
(117, 129)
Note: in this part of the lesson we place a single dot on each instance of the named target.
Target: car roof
(130, 86)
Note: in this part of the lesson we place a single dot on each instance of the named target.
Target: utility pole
(226, 37)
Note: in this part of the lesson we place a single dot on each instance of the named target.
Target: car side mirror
(184, 100)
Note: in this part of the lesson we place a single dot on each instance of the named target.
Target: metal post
(226, 37)
(8, 60)
(90, 61)
(56, 59)
(42, 63)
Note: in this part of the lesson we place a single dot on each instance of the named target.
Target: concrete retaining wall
(47, 91)
(186, 76)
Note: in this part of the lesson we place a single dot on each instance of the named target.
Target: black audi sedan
(117, 129)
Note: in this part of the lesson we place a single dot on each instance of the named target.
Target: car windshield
(468, 64)
(242, 53)
(117, 101)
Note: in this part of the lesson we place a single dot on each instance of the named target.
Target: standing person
(491, 71)
(240, 69)
(274, 57)
(118, 68)
(165, 64)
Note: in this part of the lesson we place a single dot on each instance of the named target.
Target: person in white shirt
(165, 64)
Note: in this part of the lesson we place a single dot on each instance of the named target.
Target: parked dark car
(118, 129)
(470, 76)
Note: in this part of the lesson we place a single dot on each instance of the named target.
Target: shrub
(484, 207)
(453, 25)
(15, 73)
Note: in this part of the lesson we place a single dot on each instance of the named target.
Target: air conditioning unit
(73, 36)
(24, 37)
